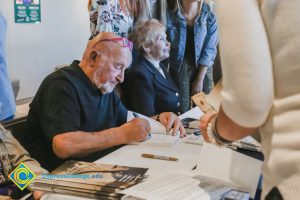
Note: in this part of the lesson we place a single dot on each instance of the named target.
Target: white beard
(106, 87)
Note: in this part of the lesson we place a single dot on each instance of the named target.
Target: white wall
(33, 50)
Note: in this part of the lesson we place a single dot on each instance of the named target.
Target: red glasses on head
(124, 42)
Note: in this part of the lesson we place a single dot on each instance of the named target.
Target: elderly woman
(149, 88)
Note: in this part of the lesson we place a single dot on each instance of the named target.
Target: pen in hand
(137, 116)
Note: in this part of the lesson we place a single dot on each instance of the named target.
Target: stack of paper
(183, 186)
(91, 180)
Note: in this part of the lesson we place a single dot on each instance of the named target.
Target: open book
(159, 137)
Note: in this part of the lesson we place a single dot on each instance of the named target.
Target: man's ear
(146, 48)
(93, 56)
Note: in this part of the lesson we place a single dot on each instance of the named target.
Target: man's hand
(136, 130)
(172, 121)
(204, 120)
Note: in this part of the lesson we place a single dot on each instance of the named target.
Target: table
(130, 155)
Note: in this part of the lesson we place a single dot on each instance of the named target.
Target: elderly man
(76, 114)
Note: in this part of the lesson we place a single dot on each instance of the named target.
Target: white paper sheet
(158, 135)
(161, 140)
(156, 127)
(179, 186)
(229, 166)
(130, 155)
(175, 186)
(194, 113)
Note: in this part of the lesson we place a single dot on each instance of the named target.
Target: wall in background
(34, 50)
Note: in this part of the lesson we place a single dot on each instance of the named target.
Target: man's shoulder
(62, 77)
(57, 79)
(56, 84)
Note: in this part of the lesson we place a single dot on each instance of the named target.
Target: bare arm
(227, 128)
(230, 130)
(80, 143)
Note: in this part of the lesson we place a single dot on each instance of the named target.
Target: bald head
(105, 59)
(106, 43)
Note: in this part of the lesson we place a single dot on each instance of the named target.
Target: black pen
(137, 116)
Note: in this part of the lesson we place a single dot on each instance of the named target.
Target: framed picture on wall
(27, 11)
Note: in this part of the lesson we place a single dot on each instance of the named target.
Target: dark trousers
(274, 194)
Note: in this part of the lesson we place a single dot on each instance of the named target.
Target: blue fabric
(205, 37)
(7, 100)
(148, 92)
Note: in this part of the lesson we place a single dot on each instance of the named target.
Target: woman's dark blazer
(148, 92)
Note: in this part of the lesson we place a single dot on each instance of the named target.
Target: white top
(260, 48)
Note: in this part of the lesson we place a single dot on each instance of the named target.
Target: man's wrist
(121, 135)
(157, 118)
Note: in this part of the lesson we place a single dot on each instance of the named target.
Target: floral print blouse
(107, 15)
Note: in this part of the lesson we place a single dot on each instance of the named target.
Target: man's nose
(120, 77)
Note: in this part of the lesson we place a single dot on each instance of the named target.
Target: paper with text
(156, 127)
(179, 186)
(173, 186)
(131, 155)
(229, 166)
(159, 136)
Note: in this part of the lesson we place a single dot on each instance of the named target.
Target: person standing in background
(111, 16)
(152, 9)
(119, 16)
(193, 33)
(7, 100)
(259, 49)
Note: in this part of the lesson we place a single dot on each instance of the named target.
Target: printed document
(158, 135)
(180, 186)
